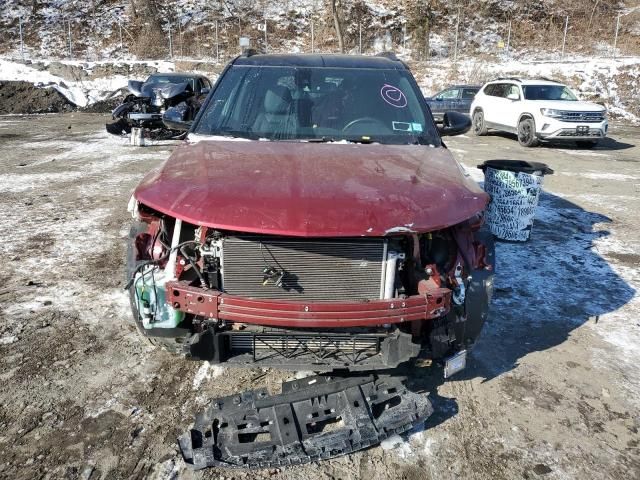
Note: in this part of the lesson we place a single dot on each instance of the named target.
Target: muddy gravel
(552, 389)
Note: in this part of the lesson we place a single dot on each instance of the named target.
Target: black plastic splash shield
(313, 418)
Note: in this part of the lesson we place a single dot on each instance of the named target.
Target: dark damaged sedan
(147, 101)
(313, 220)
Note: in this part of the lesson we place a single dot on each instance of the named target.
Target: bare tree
(419, 14)
(335, 11)
(593, 11)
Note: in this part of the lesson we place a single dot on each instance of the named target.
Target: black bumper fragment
(303, 350)
(313, 418)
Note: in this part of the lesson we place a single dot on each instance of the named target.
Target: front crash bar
(312, 419)
(217, 305)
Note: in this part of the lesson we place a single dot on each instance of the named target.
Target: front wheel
(527, 133)
(479, 125)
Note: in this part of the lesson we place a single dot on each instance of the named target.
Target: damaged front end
(354, 304)
(314, 418)
(146, 104)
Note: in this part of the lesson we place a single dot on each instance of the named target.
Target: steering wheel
(370, 120)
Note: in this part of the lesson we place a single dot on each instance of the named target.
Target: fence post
(360, 37)
(170, 40)
(120, 30)
(455, 48)
(509, 38)
(404, 36)
(265, 35)
(217, 44)
(312, 36)
(564, 39)
(69, 32)
(21, 39)
(615, 40)
(427, 43)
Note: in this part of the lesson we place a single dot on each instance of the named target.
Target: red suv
(314, 220)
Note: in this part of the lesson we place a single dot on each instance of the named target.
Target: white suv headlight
(550, 112)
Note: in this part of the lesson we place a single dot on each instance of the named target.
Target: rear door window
(469, 93)
(450, 94)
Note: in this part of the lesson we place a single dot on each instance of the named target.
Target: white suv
(537, 110)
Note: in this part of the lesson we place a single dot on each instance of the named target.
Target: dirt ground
(24, 97)
(552, 389)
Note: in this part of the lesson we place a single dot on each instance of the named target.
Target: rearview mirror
(454, 123)
(174, 118)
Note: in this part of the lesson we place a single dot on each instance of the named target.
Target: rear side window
(491, 90)
(469, 93)
(498, 89)
(450, 94)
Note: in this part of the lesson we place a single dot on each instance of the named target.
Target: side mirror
(454, 123)
(513, 96)
(205, 91)
(174, 118)
(438, 99)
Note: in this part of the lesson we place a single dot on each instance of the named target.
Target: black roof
(179, 74)
(322, 60)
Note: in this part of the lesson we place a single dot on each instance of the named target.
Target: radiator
(314, 270)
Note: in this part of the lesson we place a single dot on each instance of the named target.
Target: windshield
(317, 104)
(167, 79)
(548, 92)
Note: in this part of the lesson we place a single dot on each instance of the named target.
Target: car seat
(276, 119)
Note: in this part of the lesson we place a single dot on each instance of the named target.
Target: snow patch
(206, 372)
(8, 340)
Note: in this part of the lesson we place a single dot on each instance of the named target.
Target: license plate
(455, 363)
(582, 130)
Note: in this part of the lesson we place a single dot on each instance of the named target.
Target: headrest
(277, 100)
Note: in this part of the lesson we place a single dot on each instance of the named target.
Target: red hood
(312, 189)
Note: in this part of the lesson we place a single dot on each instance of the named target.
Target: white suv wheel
(479, 127)
(527, 133)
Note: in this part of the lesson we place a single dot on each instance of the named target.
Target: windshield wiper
(312, 140)
(223, 132)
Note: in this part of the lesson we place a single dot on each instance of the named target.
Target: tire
(170, 344)
(586, 144)
(527, 133)
(479, 125)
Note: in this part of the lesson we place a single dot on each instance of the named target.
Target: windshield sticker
(393, 96)
(407, 127)
(402, 126)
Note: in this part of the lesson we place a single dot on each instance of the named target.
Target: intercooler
(301, 269)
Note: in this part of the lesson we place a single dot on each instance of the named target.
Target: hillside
(187, 28)
(494, 37)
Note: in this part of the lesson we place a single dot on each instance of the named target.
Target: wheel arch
(526, 115)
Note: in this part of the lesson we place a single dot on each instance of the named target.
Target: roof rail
(547, 79)
(389, 55)
(513, 79)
